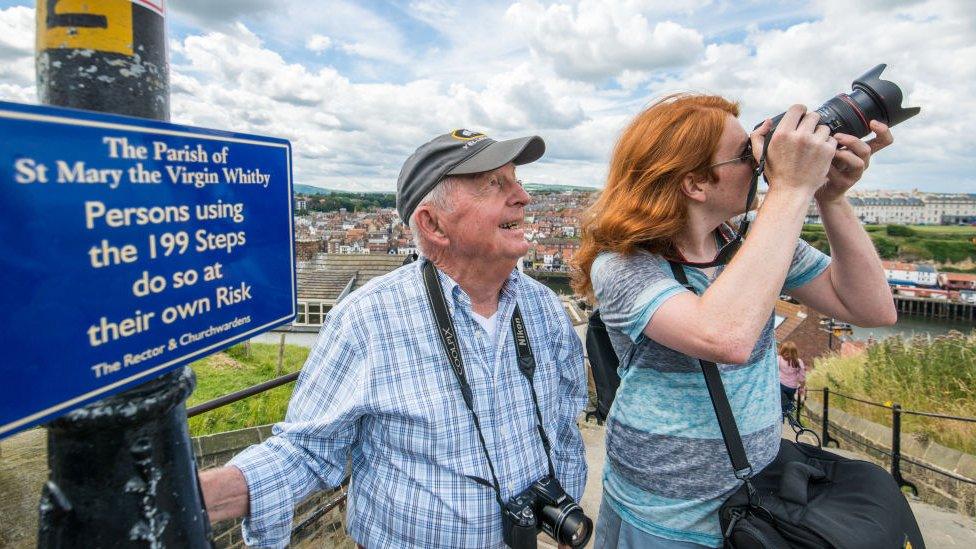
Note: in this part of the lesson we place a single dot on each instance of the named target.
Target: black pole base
(122, 472)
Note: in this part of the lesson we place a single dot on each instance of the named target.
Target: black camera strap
(720, 401)
(526, 363)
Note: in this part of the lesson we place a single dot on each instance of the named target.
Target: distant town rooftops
(885, 201)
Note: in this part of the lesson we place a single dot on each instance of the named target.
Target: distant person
(379, 392)
(679, 171)
(792, 375)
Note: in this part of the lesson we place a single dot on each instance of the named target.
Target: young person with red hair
(680, 170)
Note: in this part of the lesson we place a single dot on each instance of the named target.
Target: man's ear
(429, 225)
(693, 186)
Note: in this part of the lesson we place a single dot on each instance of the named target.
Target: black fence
(895, 454)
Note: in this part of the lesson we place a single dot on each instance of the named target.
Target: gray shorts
(611, 532)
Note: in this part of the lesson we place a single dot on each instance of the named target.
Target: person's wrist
(826, 199)
(798, 195)
(789, 182)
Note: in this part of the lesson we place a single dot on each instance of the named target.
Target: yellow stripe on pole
(104, 26)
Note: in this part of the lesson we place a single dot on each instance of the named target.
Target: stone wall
(23, 470)
(866, 437)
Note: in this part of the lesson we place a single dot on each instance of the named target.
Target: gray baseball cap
(460, 152)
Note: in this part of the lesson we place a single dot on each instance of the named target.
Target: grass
(926, 374)
(939, 243)
(950, 231)
(236, 369)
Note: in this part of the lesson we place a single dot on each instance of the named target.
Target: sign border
(33, 113)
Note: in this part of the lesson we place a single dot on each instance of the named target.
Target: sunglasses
(746, 156)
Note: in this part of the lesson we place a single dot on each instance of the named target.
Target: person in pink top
(792, 375)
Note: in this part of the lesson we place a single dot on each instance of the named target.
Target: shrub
(912, 251)
(899, 230)
(887, 248)
(949, 250)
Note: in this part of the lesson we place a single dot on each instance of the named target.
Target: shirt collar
(458, 296)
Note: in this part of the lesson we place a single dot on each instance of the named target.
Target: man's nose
(520, 197)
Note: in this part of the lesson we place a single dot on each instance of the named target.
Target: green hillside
(939, 244)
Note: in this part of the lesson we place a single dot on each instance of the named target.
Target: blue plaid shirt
(377, 388)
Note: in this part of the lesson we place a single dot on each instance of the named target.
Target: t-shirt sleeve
(630, 289)
(808, 263)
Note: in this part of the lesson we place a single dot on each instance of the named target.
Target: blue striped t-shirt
(667, 470)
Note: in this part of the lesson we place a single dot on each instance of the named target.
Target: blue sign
(129, 247)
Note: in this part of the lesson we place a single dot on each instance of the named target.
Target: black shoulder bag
(603, 365)
(807, 497)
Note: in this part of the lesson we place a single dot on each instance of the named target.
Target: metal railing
(895, 454)
(236, 396)
(241, 395)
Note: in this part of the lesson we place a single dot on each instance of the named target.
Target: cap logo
(466, 135)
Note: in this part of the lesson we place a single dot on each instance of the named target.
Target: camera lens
(571, 526)
(870, 99)
(581, 534)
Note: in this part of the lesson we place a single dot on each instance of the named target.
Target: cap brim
(518, 151)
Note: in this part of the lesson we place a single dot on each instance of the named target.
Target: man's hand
(851, 160)
(800, 151)
(224, 493)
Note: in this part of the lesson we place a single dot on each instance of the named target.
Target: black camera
(544, 506)
(871, 99)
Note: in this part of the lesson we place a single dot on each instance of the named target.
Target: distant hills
(311, 189)
(542, 187)
(533, 187)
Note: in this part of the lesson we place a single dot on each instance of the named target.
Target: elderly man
(437, 446)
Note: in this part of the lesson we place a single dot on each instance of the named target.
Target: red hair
(642, 205)
(790, 353)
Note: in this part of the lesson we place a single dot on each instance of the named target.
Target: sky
(357, 86)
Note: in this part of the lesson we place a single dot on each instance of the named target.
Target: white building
(907, 208)
(949, 208)
(894, 210)
(911, 273)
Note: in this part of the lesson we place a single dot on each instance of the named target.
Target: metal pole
(799, 404)
(108, 58)
(896, 448)
(825, 437)
(121, 470)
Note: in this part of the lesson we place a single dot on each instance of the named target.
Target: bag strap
(720, 401)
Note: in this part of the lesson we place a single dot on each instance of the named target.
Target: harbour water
(908, 326)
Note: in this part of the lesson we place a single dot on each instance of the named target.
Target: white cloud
(16, 32)
(342, 130)
(17, 53)
(318, 43)
(595, 40)
(358, 90)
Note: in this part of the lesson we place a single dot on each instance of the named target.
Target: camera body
(544, 506)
